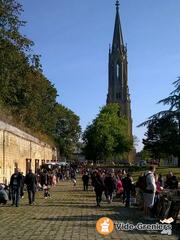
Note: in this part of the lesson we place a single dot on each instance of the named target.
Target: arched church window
(117, 71)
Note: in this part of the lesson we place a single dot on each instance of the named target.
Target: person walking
(22, 186)
(73, 176)
(149, 192)
(119, 187)
(155, 209)
(15, 187)
(140, 192)
(98, 187)
(110, 186)
(31, 182)
(127, 186)
(85, 179)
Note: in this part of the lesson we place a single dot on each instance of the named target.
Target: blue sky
(73, 39)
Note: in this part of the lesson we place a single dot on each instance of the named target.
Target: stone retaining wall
(19, 149)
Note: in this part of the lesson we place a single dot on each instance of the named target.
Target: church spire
(117, 43)
(118, 91)
(117, 5)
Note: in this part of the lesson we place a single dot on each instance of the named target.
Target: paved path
(71, 214)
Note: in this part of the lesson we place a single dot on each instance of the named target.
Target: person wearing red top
(119, 187)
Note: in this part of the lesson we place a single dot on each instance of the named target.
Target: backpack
(142, 182)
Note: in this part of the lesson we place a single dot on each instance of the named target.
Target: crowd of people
(106, 183)
(145, 192)
(43, 180)
(109, 183)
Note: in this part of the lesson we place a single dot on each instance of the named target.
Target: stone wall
(19, 149)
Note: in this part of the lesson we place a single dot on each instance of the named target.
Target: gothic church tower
(118, 91)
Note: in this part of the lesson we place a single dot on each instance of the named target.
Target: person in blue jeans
(15, 186)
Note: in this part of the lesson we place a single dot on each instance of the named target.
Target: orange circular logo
(104, 226)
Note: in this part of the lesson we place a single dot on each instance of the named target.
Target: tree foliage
(66, 131)
(107, 135)
(163, 135)
(24, 90)
(10, 23)
(144, 155)
(162, 138)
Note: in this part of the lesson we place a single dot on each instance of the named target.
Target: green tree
(10, 23)
(144, 155)
(15, 54)
(107, 135)
(24, 90)
(38, 112)
(162, 138)
(171, 119)
(66, 131)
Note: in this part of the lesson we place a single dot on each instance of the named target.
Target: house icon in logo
(104, 226)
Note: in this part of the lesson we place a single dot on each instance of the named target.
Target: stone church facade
(118, 91)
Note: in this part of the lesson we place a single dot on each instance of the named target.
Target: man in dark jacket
(127, 185)
(98, 187)
(15, 186)
(85, 179)
(171, 181)
(110, 186)
(31, 182)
